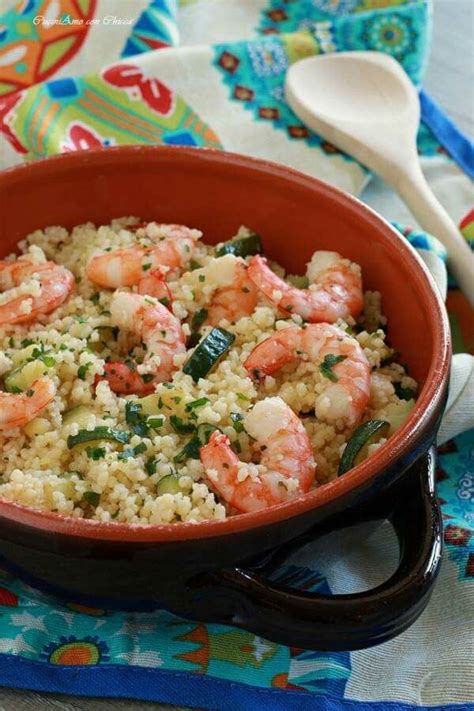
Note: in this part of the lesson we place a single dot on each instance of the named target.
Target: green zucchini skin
(360, 438)
(208, 352)
(242, 247)
(109, 433)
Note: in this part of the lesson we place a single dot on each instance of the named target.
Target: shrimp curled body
(56, 283)
(128, 266)
(17, 409)
(159, 331)
(347, 390)
(235, 299)
(335, 289)
(287, 467)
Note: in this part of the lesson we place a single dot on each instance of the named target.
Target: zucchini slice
(79, 414)
(169, 484)
(25, 375)
(357, 447)
(149, 405)
(109, 433)
(241, 247)
(204, 432)
(208, 352)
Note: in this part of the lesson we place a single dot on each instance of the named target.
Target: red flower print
(456, 535)
(229, 62)
(130, 78)
(6, 105)
(8, 598)
(80, 138)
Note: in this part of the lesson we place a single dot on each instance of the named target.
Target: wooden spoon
(364, 103)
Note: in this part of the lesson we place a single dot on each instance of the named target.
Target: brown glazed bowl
(220, 571)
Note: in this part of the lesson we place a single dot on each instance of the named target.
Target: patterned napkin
(76, 74)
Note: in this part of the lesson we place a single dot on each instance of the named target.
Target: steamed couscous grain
(97, 452)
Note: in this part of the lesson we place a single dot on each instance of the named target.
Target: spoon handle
(431, 215)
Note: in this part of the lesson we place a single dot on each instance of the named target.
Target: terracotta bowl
(221, 570)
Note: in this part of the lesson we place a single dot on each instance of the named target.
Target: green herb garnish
(95, 453)
(150, 466)
(329, 361)
(197, 403)
(82, 370)
(404, 393)
(180, 426)
(237, 420)
(91, 497)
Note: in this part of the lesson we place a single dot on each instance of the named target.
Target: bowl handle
(343, 622)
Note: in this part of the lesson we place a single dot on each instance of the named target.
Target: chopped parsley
(180, 426)
(133, 417)
(329, 361)
(150, 466)
(237, 420)
(40, 353)
(198, 319)
(82, 370)
(404, 393)
(91, 497)
(197, 403)
(130, 452)
(95, 453)
(155, 422)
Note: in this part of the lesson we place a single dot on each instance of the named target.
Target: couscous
(147, 377)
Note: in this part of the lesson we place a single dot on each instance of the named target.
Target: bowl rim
(406, 437)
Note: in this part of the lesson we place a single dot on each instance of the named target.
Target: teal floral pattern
(254, 73)
(48, 631)
(254, 70)
(400, 32)
(293, 15)
(394, 35)
(455, 488)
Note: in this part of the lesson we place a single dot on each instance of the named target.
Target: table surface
(449, 81)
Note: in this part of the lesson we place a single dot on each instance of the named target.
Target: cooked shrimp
(154, 284)
(340, 358)
(17, 409)
(55, 285)
(159, 331)
(126, 267)
(287, 466)
(234, 300)
(335, 289)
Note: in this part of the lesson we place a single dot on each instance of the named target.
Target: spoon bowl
(364, 103)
